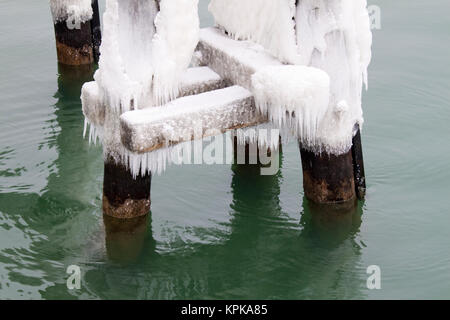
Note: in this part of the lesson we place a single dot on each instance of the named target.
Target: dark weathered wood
(74, 46)
(358, 165)
(96, 30)
(250, 154)
(328, 179)
(123, 196)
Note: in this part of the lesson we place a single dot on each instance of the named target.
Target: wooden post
(78, 43)
(74, 46)
(358, 165)
(123, 196)
(96, 30)
(328, 179)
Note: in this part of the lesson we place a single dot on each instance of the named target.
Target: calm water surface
(216, 232)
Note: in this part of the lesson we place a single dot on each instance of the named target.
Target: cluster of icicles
(315, 97)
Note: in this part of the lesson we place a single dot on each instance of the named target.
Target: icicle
(269, 23)
(294, 97)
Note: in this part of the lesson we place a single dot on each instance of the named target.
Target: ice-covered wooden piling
(328, 178)
(298, 75)
(77, 31)
(125, 196)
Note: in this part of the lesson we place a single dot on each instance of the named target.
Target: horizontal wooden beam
(199, 80)
(235, 61)
(194, 81)
(189, 118)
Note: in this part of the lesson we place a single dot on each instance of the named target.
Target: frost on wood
(316, 99)
(266, 22)
(222, 108)
(75, 11)
(147, 47)
(331, 35)
(295, 98)
(335, 36)
(144, 52)
(185, 119)
(235, 61)
(199, 80)
(193, 81)
(152, 138)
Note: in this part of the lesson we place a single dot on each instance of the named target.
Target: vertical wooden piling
(78, 43)
(358, 165)
(74, 45)
(327, 178)
(96, 30)
(125, 197)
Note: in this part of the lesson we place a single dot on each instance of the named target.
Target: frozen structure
(144, 52)
(71, 11)
(269, 23)
(304, 62)
(147, 46)
(77, 31)
(298, 66)
(331, 35)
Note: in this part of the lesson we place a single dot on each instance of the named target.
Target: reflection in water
(332, 224)
(267, 254)
(59, 221)
(125, 238)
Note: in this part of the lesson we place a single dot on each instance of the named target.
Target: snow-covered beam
(199, 80)
(189, 118)
(235, 61)
(194, 81)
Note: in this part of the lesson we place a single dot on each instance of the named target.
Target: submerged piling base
(328, 179)
(74, 46)
(125, 238)
(123, 196)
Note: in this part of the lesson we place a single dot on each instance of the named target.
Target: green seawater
(217, 231)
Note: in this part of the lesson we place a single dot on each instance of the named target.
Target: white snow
(198, 80)
(144, 52)
(316, 99)
(332, 35)
(180, 119)
(294, 97)
(266, 22)
(233, 60)
(177, 34)
(194, 76)
(335, 36)
(92, 107)
(75, 11)
(185, 119)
